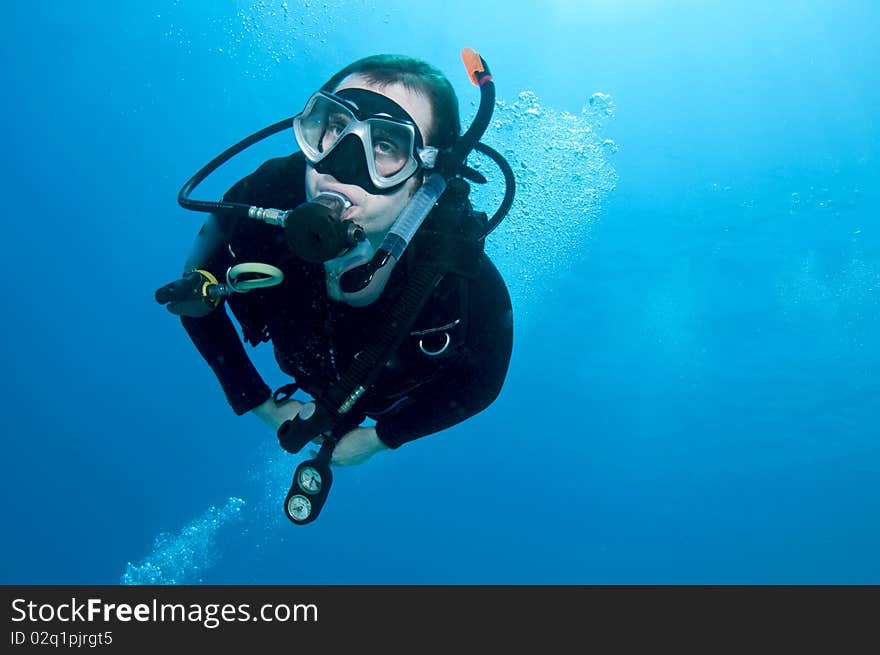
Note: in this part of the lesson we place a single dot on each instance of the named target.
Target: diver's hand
(274, 414)
(356, 447)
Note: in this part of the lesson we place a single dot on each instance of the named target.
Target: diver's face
(376, 213)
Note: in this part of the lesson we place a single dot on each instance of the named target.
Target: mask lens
(323, 122)
(392, 146)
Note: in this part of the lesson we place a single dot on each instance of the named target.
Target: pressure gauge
(308, 490)
(309, 479)
(299, 507)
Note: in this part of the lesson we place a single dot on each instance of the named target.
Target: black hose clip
(312, 421)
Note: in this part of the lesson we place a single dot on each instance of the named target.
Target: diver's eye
(336, 123)
(388, 144)
(386, 148)
(334, 128)
(388, 157)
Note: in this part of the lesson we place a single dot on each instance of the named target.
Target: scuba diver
(364, 267)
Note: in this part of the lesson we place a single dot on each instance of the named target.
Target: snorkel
(361, 285)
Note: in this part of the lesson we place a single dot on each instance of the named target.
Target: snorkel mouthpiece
(357, 279)
(316, 232)
(364, 284)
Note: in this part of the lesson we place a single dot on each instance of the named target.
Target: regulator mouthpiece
(316, 232)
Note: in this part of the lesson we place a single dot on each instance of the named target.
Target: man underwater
(374, 136)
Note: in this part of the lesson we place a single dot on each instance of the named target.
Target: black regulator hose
(236, 209)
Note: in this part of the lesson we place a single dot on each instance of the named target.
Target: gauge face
(309, 480)
(299, 507)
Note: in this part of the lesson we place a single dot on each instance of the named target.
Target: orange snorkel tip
(473, 63)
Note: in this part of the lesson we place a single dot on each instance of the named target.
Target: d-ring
(434, 353)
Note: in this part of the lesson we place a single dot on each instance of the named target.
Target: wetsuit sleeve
(215, 338)
(214, 335)
(472, 384)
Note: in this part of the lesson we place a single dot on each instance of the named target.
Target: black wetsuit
(316, 338)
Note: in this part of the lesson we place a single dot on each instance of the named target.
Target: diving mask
(363, 138)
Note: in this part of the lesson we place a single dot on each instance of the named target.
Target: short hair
(416, 75)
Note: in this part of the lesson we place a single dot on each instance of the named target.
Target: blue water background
(694, 388)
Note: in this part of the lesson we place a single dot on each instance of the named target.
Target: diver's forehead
(412, 102)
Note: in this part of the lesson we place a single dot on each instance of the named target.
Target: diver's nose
(346, 162)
